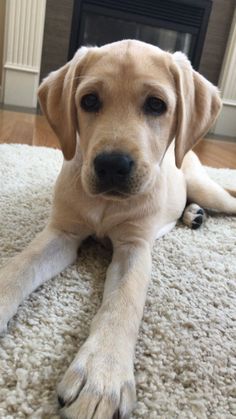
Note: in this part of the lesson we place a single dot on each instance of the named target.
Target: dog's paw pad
(197, 222)
(201, 211)
(194, 216)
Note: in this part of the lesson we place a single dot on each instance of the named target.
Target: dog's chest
(103, 218)
(95, 216)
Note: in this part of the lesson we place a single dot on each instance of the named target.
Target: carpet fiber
(186, 354)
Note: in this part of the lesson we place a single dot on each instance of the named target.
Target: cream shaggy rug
(186, 352)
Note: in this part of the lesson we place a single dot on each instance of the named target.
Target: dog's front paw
(99, 384)
(8, 307)
(7, 311)
(8, 299)
(3, 323)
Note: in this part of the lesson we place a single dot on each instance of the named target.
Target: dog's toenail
(116, 415)
(61, 401)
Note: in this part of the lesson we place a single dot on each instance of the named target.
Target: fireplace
(170, 24)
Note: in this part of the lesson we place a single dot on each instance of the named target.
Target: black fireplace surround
(170, 24)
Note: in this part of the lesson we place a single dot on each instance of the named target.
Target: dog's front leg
(100, 381)
(47, 255)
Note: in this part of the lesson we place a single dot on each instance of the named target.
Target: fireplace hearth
(170, 24)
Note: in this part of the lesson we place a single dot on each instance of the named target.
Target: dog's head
(127, 101)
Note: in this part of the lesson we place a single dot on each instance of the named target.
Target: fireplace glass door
(98, 29)
(173, 25)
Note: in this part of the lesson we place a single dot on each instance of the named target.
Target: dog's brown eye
(90, 103)
(154, 106)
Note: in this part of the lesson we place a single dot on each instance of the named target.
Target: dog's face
(127, 100)
(126, 118)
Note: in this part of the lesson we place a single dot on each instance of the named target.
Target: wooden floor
(17, 127)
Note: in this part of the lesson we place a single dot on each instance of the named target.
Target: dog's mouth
(122, 191)
(115, 194)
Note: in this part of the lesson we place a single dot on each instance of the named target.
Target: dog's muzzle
(113, 172)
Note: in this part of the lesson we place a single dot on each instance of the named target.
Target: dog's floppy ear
(57, 100)
(198, 104)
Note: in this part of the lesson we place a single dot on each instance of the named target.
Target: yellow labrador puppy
(127, 115)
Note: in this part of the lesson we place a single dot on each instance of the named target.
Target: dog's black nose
(113, 169)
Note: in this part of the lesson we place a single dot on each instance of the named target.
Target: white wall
(2, 18)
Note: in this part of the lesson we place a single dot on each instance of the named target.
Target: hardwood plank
(24, 128)
(43, 134)
(217, 153)
(16, 127)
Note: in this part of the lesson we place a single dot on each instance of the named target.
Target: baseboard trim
(18, 67)
(216, 137)
(227, 102)
(20, 88)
